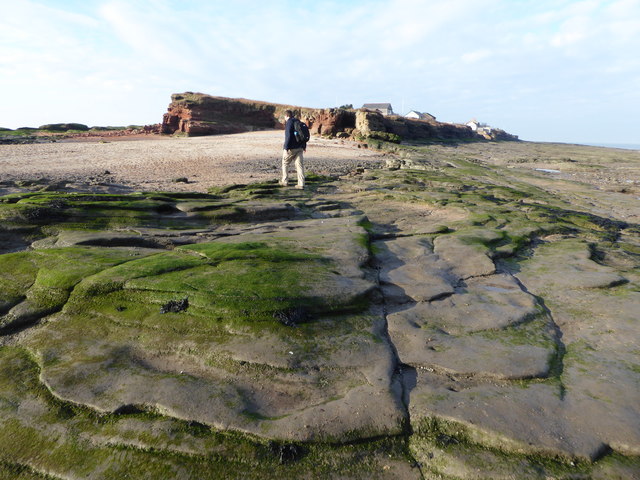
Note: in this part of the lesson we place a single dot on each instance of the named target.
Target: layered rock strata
(200, 114)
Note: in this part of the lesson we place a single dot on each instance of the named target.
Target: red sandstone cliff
(200, 114)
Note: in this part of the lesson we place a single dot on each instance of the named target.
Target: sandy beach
(154, 163)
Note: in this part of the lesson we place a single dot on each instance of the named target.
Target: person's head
(288, 114)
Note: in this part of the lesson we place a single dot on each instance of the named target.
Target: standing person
(293, 150)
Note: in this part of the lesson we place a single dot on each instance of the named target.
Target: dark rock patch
(287, 452)
(292, 317)
(175, 306)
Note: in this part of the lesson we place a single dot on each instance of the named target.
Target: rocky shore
(445, 311)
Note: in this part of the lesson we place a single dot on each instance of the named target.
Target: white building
(476, 125)
(420, 115)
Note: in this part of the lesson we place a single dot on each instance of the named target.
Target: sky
(545, 70)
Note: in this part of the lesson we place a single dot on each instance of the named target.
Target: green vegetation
(278, 318)
(448, 451)
(376, 138)
(42, 281)
(385, 136)
(19, 132)
(64, 127)
(64, 439)
(55, 131)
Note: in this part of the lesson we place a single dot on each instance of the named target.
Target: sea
(626, 146)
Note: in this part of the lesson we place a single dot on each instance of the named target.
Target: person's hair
(288, 113)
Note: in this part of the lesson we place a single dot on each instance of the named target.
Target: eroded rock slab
(467, 258)
(44, 437)
(500, 417)
(597, 314)
(588, 406)
(485, 303)
(568, 264)
(410, 271)
(485, 329)
(228, 361)
(39, 283)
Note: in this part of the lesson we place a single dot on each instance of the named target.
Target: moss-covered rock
(478, 322)
(260, 313)
(42, 436)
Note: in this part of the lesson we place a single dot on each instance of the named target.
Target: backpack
(301, 131)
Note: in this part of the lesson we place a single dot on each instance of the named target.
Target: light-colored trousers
(289, 156)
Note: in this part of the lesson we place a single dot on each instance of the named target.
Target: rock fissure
(557, 362)
(399, 369)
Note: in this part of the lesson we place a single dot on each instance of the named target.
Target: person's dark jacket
(290, 141)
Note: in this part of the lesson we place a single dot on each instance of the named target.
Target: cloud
(153, 36)
(497, 60)
(476, 56)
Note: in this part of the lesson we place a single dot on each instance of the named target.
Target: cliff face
(200, 114)
(410, 129)
(329, 121)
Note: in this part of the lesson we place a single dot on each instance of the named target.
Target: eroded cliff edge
(200, 114)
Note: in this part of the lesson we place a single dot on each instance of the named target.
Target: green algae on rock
(235, 292)
(449, 319)
(42, 436)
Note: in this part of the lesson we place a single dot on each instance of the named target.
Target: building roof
(421, 115)
(376, 106)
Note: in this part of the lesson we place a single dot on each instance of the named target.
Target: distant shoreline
(625, 146)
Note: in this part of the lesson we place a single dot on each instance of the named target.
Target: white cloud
(154, 36)
(454, 58)
(476, 56)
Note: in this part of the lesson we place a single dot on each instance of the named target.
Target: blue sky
(545, 70)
